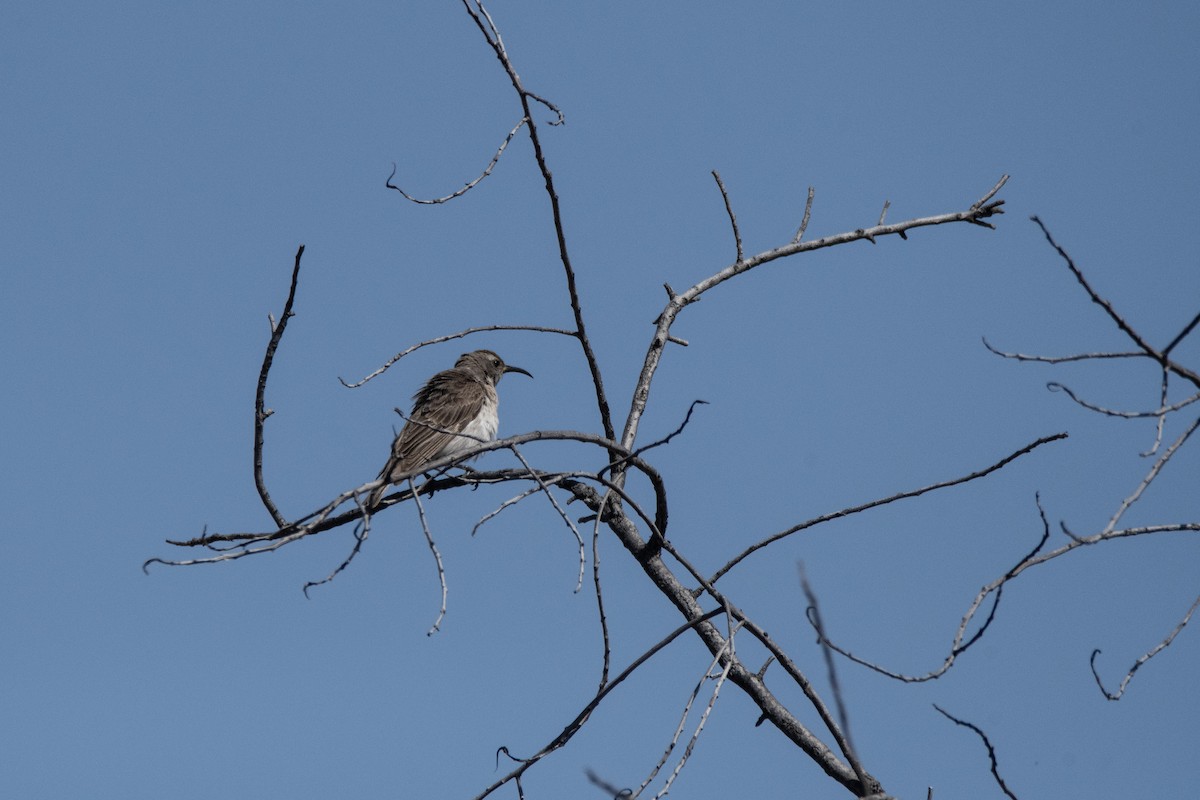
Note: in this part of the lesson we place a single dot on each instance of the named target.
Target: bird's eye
(495, 362)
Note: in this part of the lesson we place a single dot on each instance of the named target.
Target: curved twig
(814, 616)
(981, 210)
(1150, 476)
(986, 743)
(737, 235)
(754, 685)
(439, 339)
(1162, 411)
(437, 558)
(261, 413)
(1059, 359)
(491, 33)
(808, 204)
(576, 724)
(470, 184)
(1166, 642)
(996, 588)
(1125, 327)
(550, 496)
(360, 537)
(845, 512)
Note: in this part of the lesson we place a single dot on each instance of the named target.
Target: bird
(461, 400)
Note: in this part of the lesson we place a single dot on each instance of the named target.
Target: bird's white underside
(481, 429)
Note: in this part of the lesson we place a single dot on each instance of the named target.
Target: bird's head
(486, 364)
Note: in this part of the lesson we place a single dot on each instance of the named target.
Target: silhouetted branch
(986, 743)
(449, 337)
(1162, 645)
(995, 590)
(981, 210)
(1151, 475)
(737, 235)
(577, 723)
(1125, 327)
(845, 512)
(437, 557)
(1060, 359)
(491, 33)
(814, 616)
(361, 532)
(808, 204)
(1162, 411)
(470, 184)
(261, 413)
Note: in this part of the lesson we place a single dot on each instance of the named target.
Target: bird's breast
(484, 426)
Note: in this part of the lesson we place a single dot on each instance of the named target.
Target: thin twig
(550, 496)
(808, 204)
(1161, 411)
(1166, 642)
(986, 743)
(360, 536)
(980, 211)
(727, 657)
(1161, 422)
(1150, 476)
(882, 502)
(1182, 335)
(603, 617)
(799, 735)
(449, 337)
(576, 724)
(470, 184)
(1125, 327)
(995, 590)
(737, 235)
(814, 615)
(1061, 359)
(437, 558)
(260, 413)
(491, 33)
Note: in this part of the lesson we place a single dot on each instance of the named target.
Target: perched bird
(463, 401)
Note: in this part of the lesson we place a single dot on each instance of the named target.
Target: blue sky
(160, 164)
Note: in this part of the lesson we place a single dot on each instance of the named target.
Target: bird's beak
(511, 368)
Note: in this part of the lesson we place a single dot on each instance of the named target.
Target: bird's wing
(437, 413)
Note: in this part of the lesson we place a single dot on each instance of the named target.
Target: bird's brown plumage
(454, 411)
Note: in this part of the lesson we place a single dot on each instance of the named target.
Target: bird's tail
(375, 496)
(377, 493)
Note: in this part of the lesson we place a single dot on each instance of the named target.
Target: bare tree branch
(487, 27)
(449, 337)
(470, 184)
(808, 204)
(754, 686)
(1150, 476)
(261, 413)
(726, 660)
(1060, 359)
(737, 236)
(981, 210)
(814, 616)
(577, 723)
(995, 590)
(1125, 327)
(986, 743)
(437, 558)
(845, 512)
(1165, 643)
(1162, 411)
